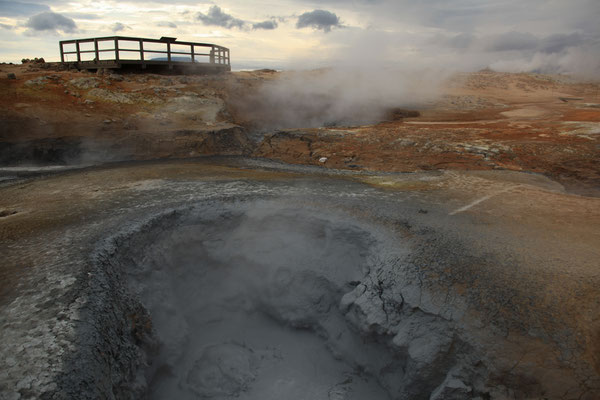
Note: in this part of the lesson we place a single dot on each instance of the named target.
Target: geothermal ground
(160, 238)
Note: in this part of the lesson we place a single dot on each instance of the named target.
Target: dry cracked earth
(161, 239)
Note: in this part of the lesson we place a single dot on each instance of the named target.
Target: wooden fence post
(96, 50)
(78, 51)
(169, 54)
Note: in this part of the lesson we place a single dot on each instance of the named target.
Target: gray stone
(39, 81)
(85, 83)
(110, 96)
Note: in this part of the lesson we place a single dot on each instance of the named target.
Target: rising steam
(347, 95)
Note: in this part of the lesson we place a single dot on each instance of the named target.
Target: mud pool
(264, 290)
(245, 303)
(235, 279)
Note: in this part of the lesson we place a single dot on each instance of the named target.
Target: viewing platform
(166, 53)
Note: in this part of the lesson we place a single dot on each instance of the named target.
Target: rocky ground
(474, 226)
(483, 121)
(480, 121)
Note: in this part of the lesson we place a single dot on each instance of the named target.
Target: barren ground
(485, 120)
(500, 207)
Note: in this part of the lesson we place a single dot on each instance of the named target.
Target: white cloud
(548, 35)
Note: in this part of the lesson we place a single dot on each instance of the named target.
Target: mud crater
(245, 303)
(270, 299)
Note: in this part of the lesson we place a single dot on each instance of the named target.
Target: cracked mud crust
(484, 284)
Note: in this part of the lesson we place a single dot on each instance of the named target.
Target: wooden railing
(175, 52)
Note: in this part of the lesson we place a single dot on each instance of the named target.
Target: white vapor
(360, 85)
(338, 96)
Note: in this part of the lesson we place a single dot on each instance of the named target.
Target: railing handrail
(218, 54)
(137, 39)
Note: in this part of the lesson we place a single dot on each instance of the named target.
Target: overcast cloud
(166, 24)
(17, 8)
(86, 16)
(542, 35)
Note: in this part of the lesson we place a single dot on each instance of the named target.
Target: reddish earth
(485, 120)
(523, 125)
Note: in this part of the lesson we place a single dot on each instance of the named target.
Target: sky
(552, 36)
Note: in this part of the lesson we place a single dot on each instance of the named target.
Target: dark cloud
(49, 21)
(118, 27)
(520, 41)
(460, 41)
(5, 26)
(17, 8)
(318, 19)
(539, 17)
(559, 42)
(269, 24)
(217, 17)
(450, 15)
(167, 24)
(510, 41)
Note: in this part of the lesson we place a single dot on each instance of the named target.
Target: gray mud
(245, 303)
(275, 298)
(305, 288)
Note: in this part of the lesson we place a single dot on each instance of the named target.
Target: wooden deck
(116, 52)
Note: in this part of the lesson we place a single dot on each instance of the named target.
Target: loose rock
(85, 83)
